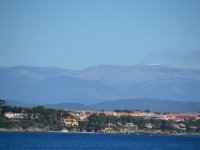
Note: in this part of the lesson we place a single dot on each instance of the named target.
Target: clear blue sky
(77, 34)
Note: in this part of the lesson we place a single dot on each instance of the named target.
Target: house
(109, 113)
(119, 123)
(180, 126)
(69, 122)
(180, 117)
(73, 113)
(131, 126)
(193, 127)
(14, 116)
(81, 115)
(148, 126)
(78, 115)
(119, 114)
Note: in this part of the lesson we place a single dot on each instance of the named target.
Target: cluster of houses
(83, 115)
(76, 116)
(14, 116)
(176, 117)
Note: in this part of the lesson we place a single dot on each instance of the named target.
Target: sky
(76, 34)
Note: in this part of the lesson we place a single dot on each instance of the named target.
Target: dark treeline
(36, 117)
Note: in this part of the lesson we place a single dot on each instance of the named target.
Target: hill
(46, 85)
(153, 105)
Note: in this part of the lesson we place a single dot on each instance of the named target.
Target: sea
(86, 141)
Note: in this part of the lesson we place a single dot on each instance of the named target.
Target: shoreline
(139, 132)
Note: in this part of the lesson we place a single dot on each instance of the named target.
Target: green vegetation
(52, 120)
(37, 117)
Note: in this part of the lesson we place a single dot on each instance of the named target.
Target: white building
(11, 115)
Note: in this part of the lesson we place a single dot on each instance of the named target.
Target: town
(118, 121)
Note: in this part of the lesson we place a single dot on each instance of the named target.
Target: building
(180, 126)
(131, 126)
(109, 113)
(148, 126)
(81, 115)
(119, 114)
(69, 122)
(180, 117)
(14, 116)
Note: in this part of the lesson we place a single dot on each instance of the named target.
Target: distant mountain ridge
(99, 83)
(154, 105)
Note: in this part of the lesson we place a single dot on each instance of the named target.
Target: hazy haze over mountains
(99, 83)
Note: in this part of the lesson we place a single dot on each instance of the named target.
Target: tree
(147, 111)
(2, 102)
(38, 109)
(67, 115)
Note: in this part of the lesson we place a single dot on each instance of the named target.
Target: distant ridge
(154, 105)
(95, 84)
(68, 106)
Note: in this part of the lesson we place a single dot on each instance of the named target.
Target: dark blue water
(66, 141)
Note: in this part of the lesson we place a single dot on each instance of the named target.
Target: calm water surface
(66, 141)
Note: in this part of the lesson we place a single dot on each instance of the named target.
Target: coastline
(139, 132)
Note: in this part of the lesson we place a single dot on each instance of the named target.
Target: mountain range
(154, 105)
(50, 85)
